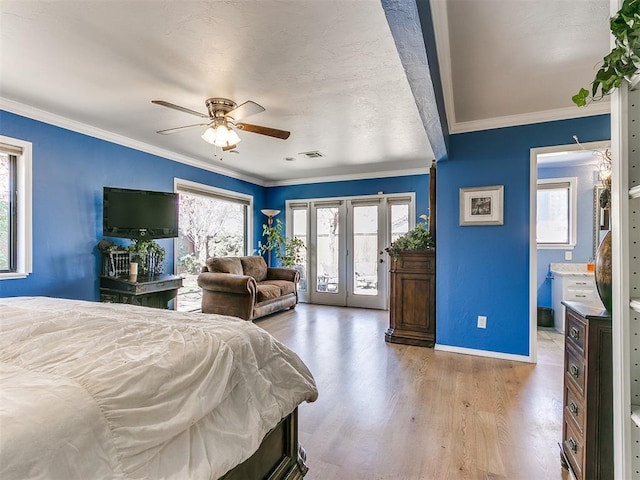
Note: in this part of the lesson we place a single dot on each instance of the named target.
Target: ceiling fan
(222, 115)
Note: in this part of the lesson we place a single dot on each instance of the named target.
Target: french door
(346, 264)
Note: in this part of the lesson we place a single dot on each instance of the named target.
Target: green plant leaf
(580, 98)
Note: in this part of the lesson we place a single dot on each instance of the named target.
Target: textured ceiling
(328, 71)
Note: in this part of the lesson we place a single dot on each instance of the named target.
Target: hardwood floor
(388, 411)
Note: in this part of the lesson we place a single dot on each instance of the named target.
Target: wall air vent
(312, 154)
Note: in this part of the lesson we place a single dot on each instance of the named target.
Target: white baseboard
(484, 353)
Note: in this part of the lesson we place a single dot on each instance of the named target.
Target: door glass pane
(300, 231)
(327, 236)
(209, 227)
(399, 220)
(365, 250)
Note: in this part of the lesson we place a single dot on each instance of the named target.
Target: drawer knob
(574, 333)
(573, 408)
(573, 445)
(573, 370)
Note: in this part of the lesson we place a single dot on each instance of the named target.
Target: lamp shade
(220, 136)
(269, 212)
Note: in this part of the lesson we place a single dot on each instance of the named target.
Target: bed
(94, 390)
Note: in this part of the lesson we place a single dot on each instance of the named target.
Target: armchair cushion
(267, 292)
(255, 267)
(283, 285)
(225, 265)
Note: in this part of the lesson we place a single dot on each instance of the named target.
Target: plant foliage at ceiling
(623, 62)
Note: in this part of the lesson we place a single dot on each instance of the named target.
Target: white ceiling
(328, 71)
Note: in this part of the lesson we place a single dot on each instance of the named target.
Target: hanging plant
(623, 62)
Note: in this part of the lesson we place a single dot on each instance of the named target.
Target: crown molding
(75, 126)
(348, 177)
(566, 113)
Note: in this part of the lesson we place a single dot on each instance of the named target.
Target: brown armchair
(245, 287)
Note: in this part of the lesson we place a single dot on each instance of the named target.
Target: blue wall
(276, 196)
(69, 172)
(583, 250)
(484, 270)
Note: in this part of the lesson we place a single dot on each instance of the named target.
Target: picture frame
(482, 205)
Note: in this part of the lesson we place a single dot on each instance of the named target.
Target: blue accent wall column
(484, 270)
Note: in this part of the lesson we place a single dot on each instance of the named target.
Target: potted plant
(419, 238)
(623, 62)
(149, 256)
(288, 251)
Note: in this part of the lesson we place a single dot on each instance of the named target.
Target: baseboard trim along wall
(484, 353)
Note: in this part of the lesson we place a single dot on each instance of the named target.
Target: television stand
(156, 291)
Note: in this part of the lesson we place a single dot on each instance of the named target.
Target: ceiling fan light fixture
(220, 136)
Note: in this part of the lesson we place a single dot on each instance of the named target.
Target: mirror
(600, 219)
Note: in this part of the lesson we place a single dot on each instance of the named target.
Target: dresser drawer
(574, 407)
(585, 282)
(574, 369)
(586, 295)
(575, 332)
(573, 447)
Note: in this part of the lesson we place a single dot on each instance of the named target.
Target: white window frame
(573, 213)
(230, 195)
(24, 237)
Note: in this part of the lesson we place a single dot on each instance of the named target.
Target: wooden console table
(155, 292)
(412, 309)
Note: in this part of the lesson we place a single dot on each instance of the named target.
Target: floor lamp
(270, 213)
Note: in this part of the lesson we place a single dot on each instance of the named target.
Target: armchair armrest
(283, 273)
(227, 282)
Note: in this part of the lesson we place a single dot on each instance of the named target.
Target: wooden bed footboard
(279, 456)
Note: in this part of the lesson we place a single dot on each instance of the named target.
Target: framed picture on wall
(481, 205)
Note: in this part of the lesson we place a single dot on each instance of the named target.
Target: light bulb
(233, 138)
(209, 135)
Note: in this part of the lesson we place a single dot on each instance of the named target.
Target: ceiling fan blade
(244, 110)
(178, 107)
(177, 129)
(270, 132)
(230, 147)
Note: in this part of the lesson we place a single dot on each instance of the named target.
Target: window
(15, 208)
(212, 223)
(556, 213)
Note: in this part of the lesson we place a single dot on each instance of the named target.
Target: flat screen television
(139, 214)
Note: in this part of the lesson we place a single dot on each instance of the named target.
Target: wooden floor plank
(397, 412)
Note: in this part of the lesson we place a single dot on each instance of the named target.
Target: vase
(603, 271)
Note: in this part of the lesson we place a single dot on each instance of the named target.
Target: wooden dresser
(412, 308)
(587, 421)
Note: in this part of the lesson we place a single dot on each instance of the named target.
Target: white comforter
(94, 390)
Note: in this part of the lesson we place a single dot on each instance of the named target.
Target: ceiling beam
(412, 31)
